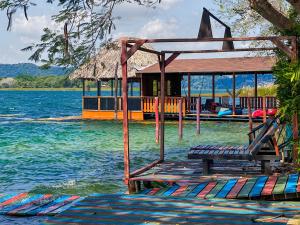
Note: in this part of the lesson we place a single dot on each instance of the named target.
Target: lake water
(82, 157)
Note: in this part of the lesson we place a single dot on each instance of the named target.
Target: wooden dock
(141, 209)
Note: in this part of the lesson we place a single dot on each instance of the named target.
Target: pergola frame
(287, 44)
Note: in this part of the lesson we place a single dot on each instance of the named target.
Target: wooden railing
(257, 102)
(171, 104)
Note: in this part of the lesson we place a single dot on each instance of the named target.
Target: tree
(84, 26)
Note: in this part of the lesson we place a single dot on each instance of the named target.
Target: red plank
(11, 200)
(236, 188)
(153, 191)
(267, 190)
(207, 189)
(179, 191)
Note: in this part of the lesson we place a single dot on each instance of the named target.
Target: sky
(170, 19)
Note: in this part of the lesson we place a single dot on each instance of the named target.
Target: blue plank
(145, 191)
(6, 197)
(291, 186)
(171, 190)
(227, 188)
(46, 206)
(258, 187)
(196, 190)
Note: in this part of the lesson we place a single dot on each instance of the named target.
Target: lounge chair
(262, 146)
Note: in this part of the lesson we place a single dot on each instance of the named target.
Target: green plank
(187, 191)
(244, 193)
(280, 185)
(216, 189)
(161, 191)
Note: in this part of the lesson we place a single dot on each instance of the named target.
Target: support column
(83, 87)
(233, 93)
(98, 88)
(125, 113)
(255, 90)
(213, 88)
(162, 107)
(189, 93)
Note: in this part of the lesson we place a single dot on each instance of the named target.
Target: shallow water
(83, 157)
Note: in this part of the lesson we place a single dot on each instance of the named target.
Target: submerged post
(249, 114)
(156, 106)
(180, 118)
(264, 110)
(125, 112)
(198, 108)
(162, 107)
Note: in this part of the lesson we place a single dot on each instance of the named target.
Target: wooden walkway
(140, 209)
(26, 204)
(261, 187)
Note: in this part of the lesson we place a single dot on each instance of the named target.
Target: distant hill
(13, 70)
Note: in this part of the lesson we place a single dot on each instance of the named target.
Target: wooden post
(140, 84)
(131, 87)
(295, 137)
(125, 113)
(112, 88)
(83, 87)
(198, 106)
(233, 94)
(180, 118)
(213, 87)
(255, 90)
(116, 91)
(98, 88)
(120, 89)
(249, 114)
(156, 106)
(264, 110)
(189, 93)
(162, 107)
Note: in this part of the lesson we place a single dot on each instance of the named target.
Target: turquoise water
(83, 157)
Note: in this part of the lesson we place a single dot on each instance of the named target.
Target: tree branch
(267, 11)
(295, 4)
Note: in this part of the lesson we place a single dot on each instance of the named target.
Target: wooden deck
(141, 209)
(262, 187)
(190, 172)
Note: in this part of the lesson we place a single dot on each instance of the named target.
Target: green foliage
(288, 92)
(268, 90)
(27, 81)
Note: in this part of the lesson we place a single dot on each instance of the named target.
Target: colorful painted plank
(280, 185)
(269, 186)
(291, 185)
(196, 190)
(25, 204)
(244, 193)
(206, 190)
(237, 188)
(258, 187)
(216, 189)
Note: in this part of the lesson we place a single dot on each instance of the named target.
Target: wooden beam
(162, 108)
(172, 40)
(219, 50)
(133, 49)
(171, 58)
(283, 47)
(146, 50)
(125, 113)
(145, 168)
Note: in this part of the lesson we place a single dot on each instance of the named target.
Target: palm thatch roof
(103, 65)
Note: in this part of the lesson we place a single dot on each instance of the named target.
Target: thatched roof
(103, 65)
